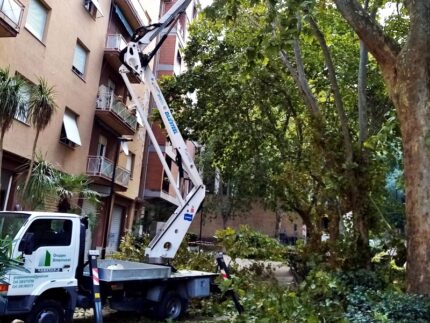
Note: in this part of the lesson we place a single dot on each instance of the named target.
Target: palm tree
(48, 182)
(41, 185)
(69, 186)
(6, 260)
(40, 111)
(10, 104)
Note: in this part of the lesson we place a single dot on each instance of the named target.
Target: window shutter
(36, 18)
(80, 59)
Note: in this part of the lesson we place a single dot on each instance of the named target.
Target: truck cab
(48, 245)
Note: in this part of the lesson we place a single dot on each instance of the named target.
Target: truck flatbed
(111, 270)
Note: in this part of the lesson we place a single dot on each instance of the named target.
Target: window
(11, 10)
(36, 19)
(24, 93)
(130, 164)
(93, 7)
(178, 64)
(69, 130)
(48, 232)
(80, 60)
(166, 184)
(101, 146)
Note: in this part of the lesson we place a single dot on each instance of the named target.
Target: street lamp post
(111, 196)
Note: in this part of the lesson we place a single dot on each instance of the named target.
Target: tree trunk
(412, 97)
(1, 154)
(407, 75)
(278, 219)
(33, 156)
(333, 229)
(224, 221)
(362, 100)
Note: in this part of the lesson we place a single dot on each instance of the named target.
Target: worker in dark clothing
(65, 235)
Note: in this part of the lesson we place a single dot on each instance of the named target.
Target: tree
(404, 66)
(406, 72)
(281, 94)
(41, 109)
(10, 104)
(69, 186)
(48, 182)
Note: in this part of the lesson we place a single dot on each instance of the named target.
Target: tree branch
(383, 48)
(343, 120)
(300, 79)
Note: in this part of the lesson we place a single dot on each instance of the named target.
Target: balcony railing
(115, 42)
(103, 167)
(11, 12)
(107, 101)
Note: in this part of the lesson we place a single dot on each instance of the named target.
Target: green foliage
(250, 244)
(42, 104)
(367, 305)
(41, 184)
(6, 260)
(41, 108)
(10, 98)
(132, 248)
(194, 260)
(324, 295)
(47, 181)
(250, 113)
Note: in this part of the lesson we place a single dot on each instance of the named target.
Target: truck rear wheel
(46, 311)
(172, 306)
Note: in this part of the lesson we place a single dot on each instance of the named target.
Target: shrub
(400, 307)
(250, 244)
(325, 293)
(132, 248)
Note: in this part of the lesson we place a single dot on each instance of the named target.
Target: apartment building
(117, 140)
(155, 189)
(75, 46)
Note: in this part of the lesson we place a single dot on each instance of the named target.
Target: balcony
(10, 17)
(133, 12)
(101, 171)
(114, 44)
(114, 113)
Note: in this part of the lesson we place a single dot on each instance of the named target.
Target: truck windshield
(10, 223)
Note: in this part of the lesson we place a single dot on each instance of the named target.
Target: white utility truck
(51, 245)
(57, 278)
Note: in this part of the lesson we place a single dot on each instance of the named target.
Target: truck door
(52, 257)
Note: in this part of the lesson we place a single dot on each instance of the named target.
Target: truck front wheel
(172, 306)
(46, 311)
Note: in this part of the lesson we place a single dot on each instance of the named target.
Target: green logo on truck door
(45, 261)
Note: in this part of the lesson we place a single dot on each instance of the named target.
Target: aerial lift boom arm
(135, 60)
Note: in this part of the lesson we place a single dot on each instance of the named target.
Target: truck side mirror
(27, 243)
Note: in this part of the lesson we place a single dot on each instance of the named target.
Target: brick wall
(257, 218)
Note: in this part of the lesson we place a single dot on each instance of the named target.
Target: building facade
(75, 46)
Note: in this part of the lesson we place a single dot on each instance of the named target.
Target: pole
(111, 200)
(94, 271)
(201, 223)
(225, 273)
